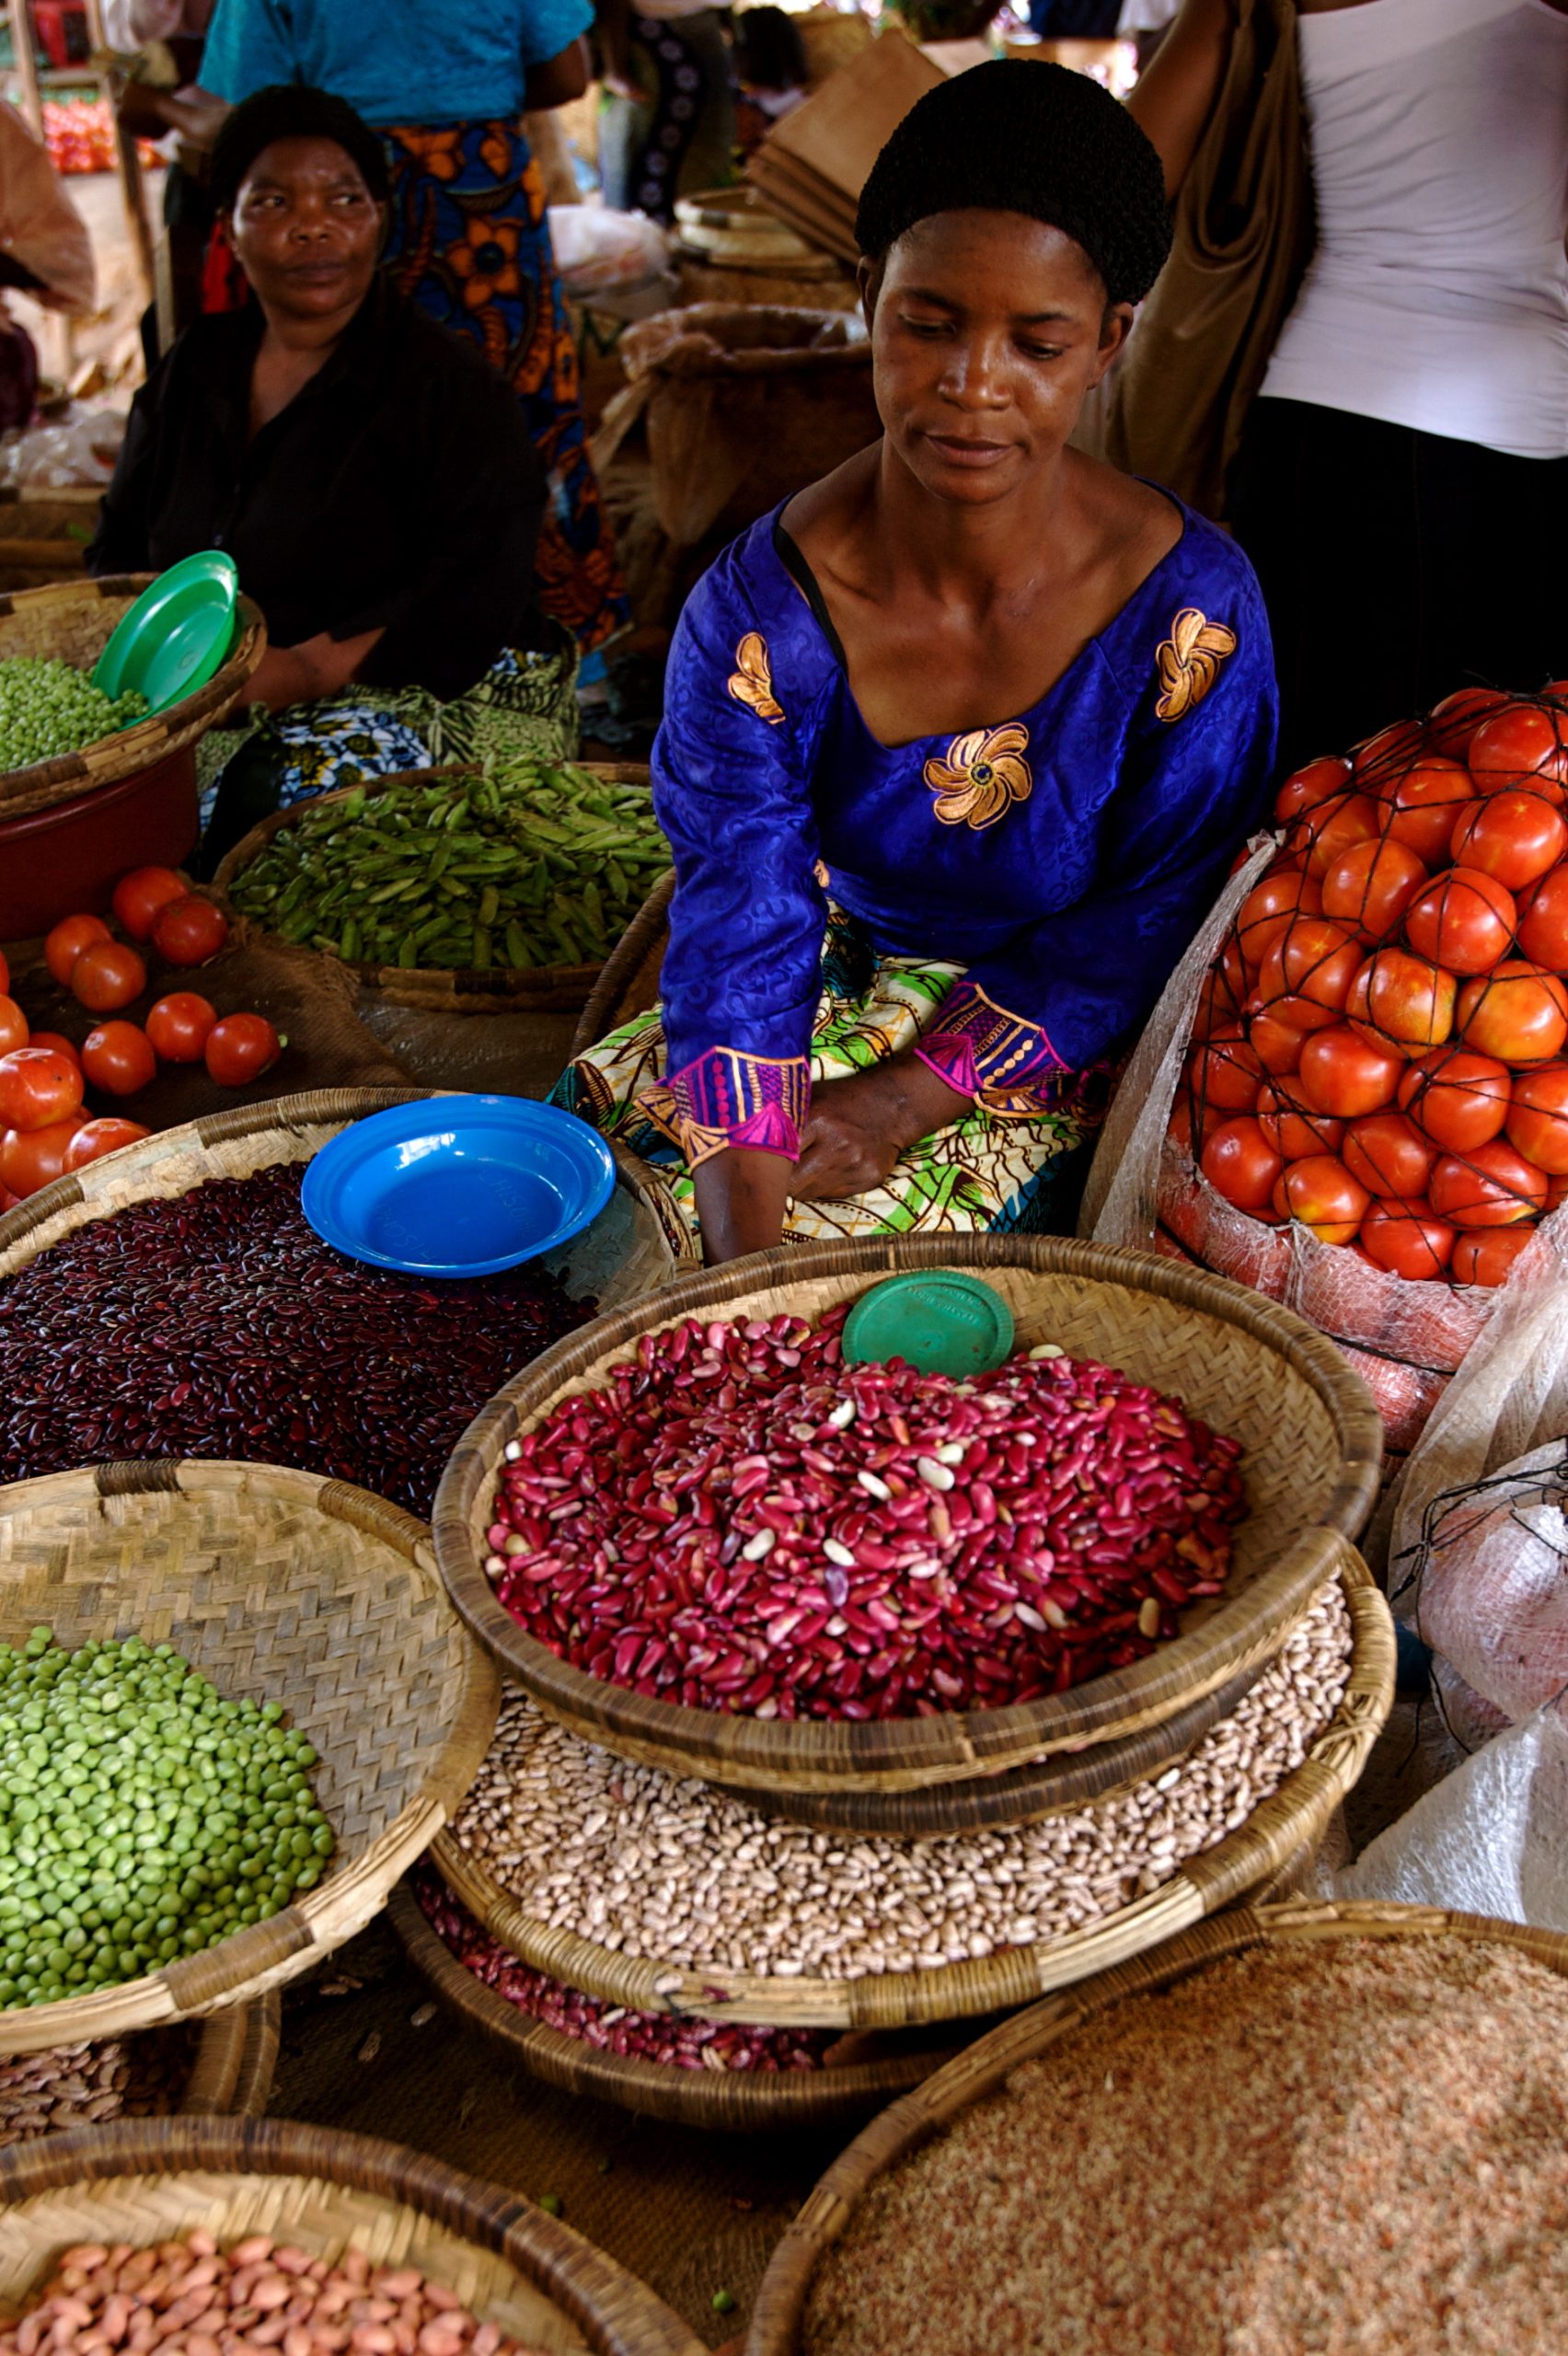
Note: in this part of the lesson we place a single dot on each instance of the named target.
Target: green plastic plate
(943, 1323)
(178, 634)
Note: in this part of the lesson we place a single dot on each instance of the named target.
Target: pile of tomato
(1381, 1052)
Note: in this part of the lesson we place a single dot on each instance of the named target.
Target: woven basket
(285, 1587)
(499, 989)
(146, 2180)
(742, 2101)
(1293, 1817)
(72, 622)
(1311, 1441)
(628, 981)
(984, 2069)
(218, 2068)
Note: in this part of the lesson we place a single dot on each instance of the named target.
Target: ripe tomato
(1543, 920)
(1294, 1127)
(1518, 1012)
(1486, 1255)
(1402, 1000)
(1371, 885)
(1388, 754)
(1225, 1076)
(1464, 920)
(1321, 1194)
(1308, 971)
(1219, 1008)
(139, 896)
(1277, 1046)
(107, 976)
(118, 1058)
(34, 1157)
(96, 1138)
(1524, 741)
(1305, 787)
(1422, 807)
(65, 943)
(242, 1046)
(190, 931)
(1457, 1098)
(1406, 1239)
(1191, 1120)
(1537, 1117)
(13, 1026)
(1269, 906)
(1489, 1187)
(1455, 721)
(1389, 1156)
(37, 1087)
(1239, 1164)
(1346, 1074)
(177, 1027)
(1327, 832)
(1512, 835)
(61, 1045)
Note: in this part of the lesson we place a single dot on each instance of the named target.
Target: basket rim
(1293, 1814)
(978, 2072)
(617, 2312)
(236, 2060)
(758, 1753)
(267, 1954)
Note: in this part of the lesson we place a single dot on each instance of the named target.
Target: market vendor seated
(959, 745)
(372, 479)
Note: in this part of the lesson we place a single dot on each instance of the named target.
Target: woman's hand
(858, 1127)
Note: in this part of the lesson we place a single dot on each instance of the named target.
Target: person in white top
(1403, 487)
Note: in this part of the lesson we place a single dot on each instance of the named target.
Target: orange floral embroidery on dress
(1189, 662)
(752, 683)
(981, 776)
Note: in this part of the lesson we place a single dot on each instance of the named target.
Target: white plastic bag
(75, 451)
(596, 249)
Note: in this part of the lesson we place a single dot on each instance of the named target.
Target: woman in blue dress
(959, 745)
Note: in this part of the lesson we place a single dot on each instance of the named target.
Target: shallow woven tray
(1293, 1818)
(985, 2066)
(285, 1587)
(1311, 1439)
(741, 2101)
(229, 2058)
(497, 989)
(146, 2180)
(72, 622)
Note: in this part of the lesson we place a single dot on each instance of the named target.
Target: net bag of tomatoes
(1357, 1100)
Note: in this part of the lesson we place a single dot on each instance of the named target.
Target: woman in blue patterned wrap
(958, 745)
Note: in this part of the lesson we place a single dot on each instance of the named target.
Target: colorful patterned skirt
(984, 1172)
(470, 242)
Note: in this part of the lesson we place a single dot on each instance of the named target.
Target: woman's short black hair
(1013, 136)
(293, 111)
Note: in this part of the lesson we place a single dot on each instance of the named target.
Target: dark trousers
(1396, 566)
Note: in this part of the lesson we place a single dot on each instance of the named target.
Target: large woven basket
(1311, 1441)
(984, 2069)
(148, 2180)
(741, 2101)
(498, 989)
(221, 2067)
(1293, 1818)
(282, 1587)
(72, 622)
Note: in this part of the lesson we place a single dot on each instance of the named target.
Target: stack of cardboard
(810, 169)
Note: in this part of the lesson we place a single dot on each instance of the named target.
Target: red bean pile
(647, 2037)
(739, 1521)
(220, 1324)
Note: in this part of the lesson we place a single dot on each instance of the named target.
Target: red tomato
(1346, 1074)
(1518, 1012)
(38, 1087)
(1522, 741)
(1190, 1119)
(1305, 787)
(1219, 1008)
(61, 1045)
(1403, 1238)
(1487, 1257)
(1459, 1098)
(1464, 920)
(1240, 1164)
(1225, 1075)
(1455, 721)
(1277, 1046)
(1326, 833)
(1489, 1187)
(1422, 807)
(1269, 906)
(1308, 970)
(118, 1058)
(1404, 999)
(96, 1138)
(242, 1046)
(1371, 886)
(177, 1027)
(1294, 1127)
(1388, 754)
(139, 896)
(190, 931)
(1543, 920)
(13, 1026)
(1389, 1156)
(1321, 1194)
(108, 975)
(1537, 1117)
(65, 943)
(1179, 1128)
(34, 1157)
(1513, 834)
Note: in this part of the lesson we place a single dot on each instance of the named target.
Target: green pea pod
(355, 802)
(349, 941)
(481, 957)
(407, 951)
(517, 951)
(458, 812)
(490, 901)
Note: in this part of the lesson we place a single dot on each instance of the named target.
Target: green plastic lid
(177, 635)
(943, 1323)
